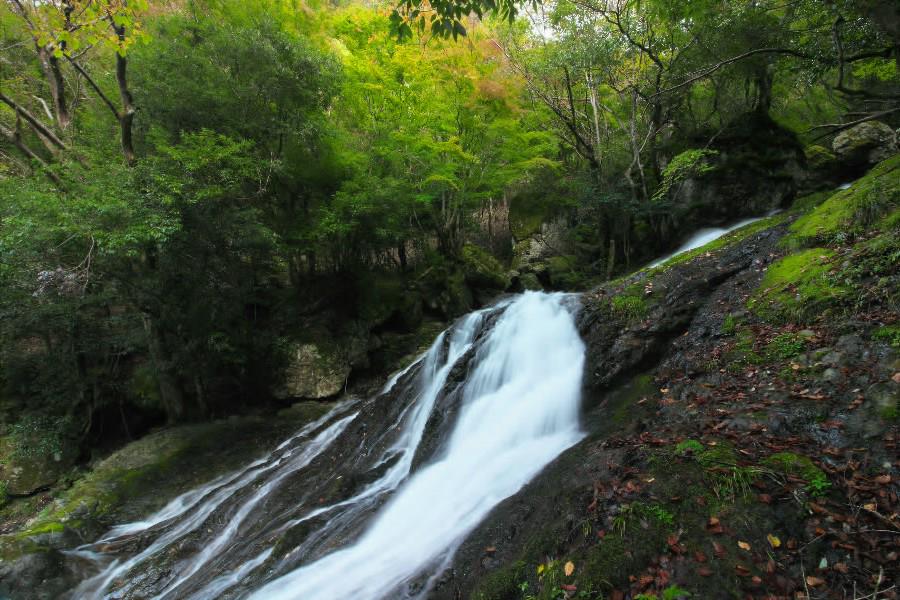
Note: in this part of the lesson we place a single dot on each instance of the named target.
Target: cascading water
(378, 493)
(701, 237)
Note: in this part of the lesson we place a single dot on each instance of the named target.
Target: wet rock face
(617, 347)
(866, 144)
(49, 570)
(130, 484)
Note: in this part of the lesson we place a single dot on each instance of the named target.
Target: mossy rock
(529, 281)
(482, 270)
(142, 476)
(819, 157)
(798, 286)
(388, 300)
(35, 457)
(564, 272)
(866, 143)
(850, 211)
(445, 291)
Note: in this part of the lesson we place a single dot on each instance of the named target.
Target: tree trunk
(401, 254)
(126, 115)
(764, 79)
(611, 258)
(170, 393)
(53, 73)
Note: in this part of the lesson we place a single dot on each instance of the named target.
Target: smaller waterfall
(704, 236)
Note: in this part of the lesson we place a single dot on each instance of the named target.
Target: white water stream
(701, 237)
(517, 410)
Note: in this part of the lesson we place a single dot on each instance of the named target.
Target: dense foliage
(180, 180)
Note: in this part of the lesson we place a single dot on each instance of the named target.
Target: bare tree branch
(726, 62)
(35, 123)
(15, 138)
(838, 127)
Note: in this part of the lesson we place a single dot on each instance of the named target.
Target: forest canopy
(184, 184)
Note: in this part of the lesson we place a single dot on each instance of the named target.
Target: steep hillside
(743, 420)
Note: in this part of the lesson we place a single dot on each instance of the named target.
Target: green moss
(804, 204)
(608, 564)
(673, 592)
(46, 527)
(798, 287)
(789, 463)
(688, 446)
(785, 346)
(729, 325)
(818, 157)
(632, 308)
(721, 471)
(850, 211)
(502, 584)
(623, 400)
(565, 273)
(889, 334)
(743, 352)
(891, 222)
(483, 270)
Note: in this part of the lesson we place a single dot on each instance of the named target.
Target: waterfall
(701, 237)
(491, 403)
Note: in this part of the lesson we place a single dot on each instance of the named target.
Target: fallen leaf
(744, 546)
(813, 581)
(569, 587)
(569, 568)
(719, 549)
(704, 571)
(773, 540)
(841, 568)
(883, 479)
(540, 569)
